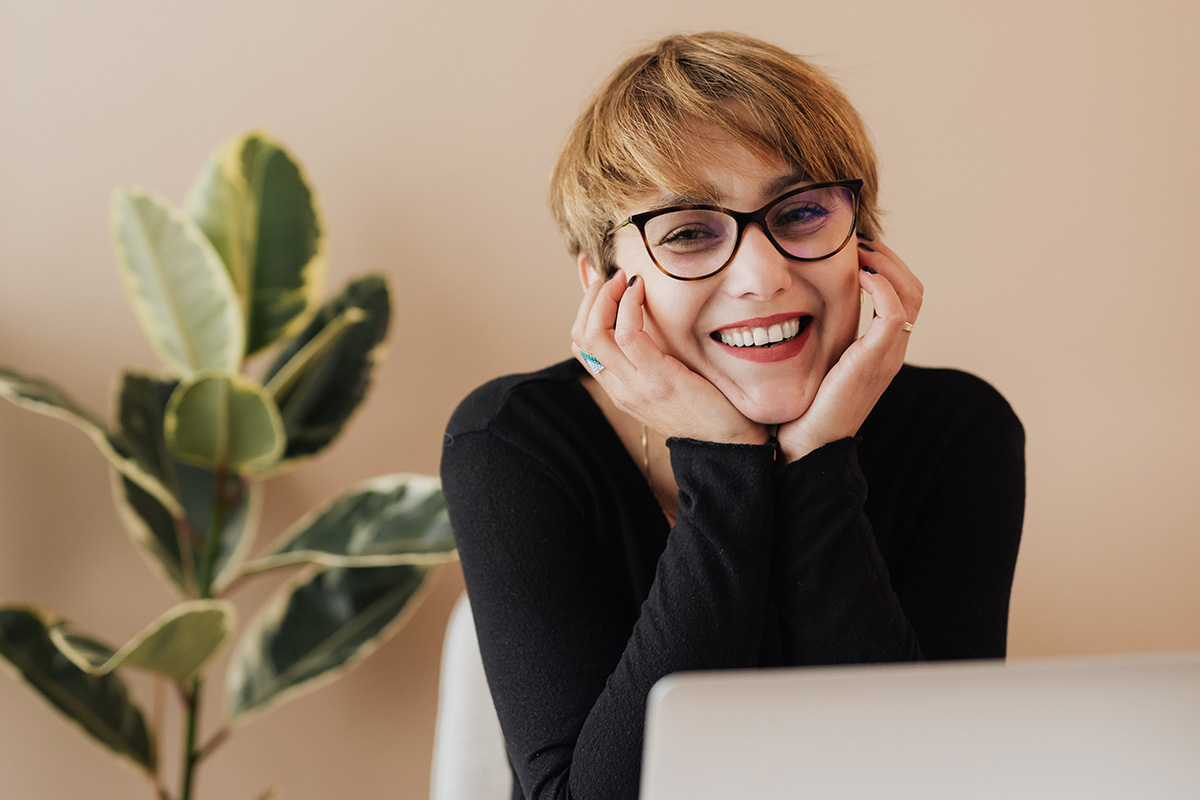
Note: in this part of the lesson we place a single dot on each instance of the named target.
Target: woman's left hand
(854, 385)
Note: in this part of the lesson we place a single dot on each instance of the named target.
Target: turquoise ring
(591, 362)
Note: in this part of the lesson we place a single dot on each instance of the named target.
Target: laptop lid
(1111, 727)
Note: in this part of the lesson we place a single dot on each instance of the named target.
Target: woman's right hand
(643, 381)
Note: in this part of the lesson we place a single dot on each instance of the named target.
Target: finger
(629, 309)
(629, 333)
(603, 314)
(653, 366)
(883, 260)
(886, 336)
(585, 307)
(884, 297)
(597, 335)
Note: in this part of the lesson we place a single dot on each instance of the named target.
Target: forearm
(829, 581)
(569, 667)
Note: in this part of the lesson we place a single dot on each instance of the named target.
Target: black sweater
(584, 595)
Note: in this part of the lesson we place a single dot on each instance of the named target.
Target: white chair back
(469, 760)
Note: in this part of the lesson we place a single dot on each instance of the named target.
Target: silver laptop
(1096, 728)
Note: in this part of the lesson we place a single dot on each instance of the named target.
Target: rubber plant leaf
(141, 411)
(178, 644)
(254, 204)
(179, 287)
(319, 380)
(392, 519)
(44, 397)
(99, 704)
(174, 544)
(316, 627)
(173, 537)
(219, 421)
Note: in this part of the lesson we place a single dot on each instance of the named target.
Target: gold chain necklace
(667, 512)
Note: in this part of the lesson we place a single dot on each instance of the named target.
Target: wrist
(756, 434)
(796, 446)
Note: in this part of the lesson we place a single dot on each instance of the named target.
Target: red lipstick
(776, 352)
(764, 322)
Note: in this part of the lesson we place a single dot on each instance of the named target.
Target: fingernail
(632, 281)
(866, 247)
(865, 268)
(865, 238)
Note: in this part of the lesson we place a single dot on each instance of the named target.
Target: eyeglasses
(694, 242)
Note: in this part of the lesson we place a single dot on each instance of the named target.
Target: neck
(653, 458)
(656, 467)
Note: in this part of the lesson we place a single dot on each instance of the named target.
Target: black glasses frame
(744, 218)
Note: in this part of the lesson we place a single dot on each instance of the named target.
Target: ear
(587, 273)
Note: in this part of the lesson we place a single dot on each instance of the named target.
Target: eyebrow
(772, 188)
(785, 182)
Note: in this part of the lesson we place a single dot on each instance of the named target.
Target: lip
(765, 322)
(765, 355)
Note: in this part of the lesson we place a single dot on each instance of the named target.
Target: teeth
(757, 337)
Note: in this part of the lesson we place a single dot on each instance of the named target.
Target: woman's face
(758, 289)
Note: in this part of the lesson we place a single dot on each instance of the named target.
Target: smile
(764, 335)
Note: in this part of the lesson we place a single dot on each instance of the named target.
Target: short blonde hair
(641, 133)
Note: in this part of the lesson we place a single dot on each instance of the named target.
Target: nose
(757, 270)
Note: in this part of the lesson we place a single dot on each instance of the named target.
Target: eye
(798, 214)
(689, 231)
(689, 238)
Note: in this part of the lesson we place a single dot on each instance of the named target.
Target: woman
(692, 491)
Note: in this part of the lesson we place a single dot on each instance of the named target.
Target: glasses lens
(691, 243)
(813, 224)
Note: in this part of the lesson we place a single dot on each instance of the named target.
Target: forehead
(709, 165)
(741, 187)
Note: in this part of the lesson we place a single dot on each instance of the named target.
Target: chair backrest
(469, 760)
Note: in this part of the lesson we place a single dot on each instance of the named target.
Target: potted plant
(234, 273)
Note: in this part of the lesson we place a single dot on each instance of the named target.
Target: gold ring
(907, 327)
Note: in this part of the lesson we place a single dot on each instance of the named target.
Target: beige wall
(1040, 169)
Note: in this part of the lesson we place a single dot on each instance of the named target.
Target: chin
(775, 410)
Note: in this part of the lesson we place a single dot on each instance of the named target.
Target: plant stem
(189, 745)
(216, 526)
(213, 743)
(212, 547)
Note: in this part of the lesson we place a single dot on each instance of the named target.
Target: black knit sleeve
(947, 459)
(568, 674)
(831, 583)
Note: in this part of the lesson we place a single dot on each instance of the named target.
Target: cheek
(844, 307)
(630, 254)
(669, 320)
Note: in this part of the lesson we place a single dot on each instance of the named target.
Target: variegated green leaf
(253, 203)
(392, 519)
(172, 537)
(141, 418)
(99, 704)
(197, 488)
(83, 650)
(215, 421)
(174, 543)
(178, 644)
(44, 397)
(319, 380)
(178, 285)
(315, 628)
